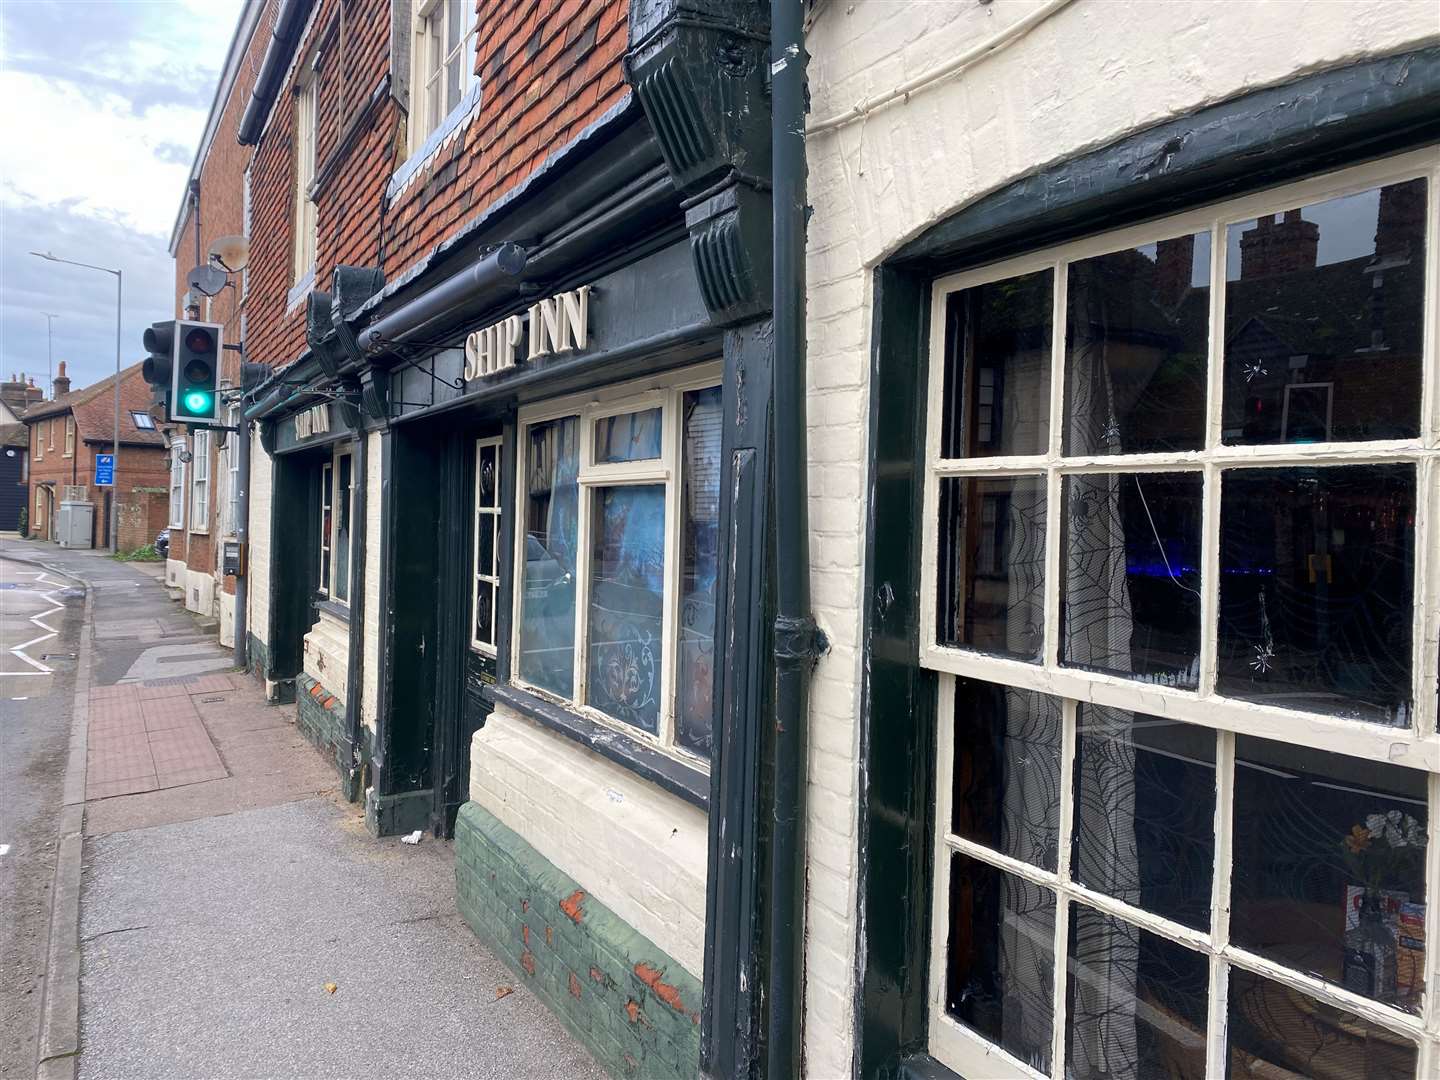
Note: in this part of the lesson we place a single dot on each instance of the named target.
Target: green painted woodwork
(635, 1008)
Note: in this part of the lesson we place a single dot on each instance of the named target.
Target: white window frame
(39, 454)
(491, 517)
(177, 484)
(1416, 747)
(50, 432)
(69, 435)
(327, 535)
(230, 513)
(668, 394)
(428, 63)
(200, 481)
(143, 421)
(337, 584)
(305, 216)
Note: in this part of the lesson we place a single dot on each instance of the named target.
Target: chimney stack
(1283, 247)
(61, 383)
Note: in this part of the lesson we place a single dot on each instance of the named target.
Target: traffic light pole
(115, 445)
(242, 536)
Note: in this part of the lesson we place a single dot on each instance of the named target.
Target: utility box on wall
(74, 526)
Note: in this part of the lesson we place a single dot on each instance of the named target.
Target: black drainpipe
(355, 666)
(798, 642)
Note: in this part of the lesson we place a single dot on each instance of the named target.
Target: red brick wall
(139, 467)
(548, 69)
(142, 515)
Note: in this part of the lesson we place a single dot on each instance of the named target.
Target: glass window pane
(1277, 1032)
(547, 587)
(1316, 589)
(326, 523)
(1144, 827)
(1007, 771)
(991, 565)
(1135, 1003)
(627, 437)
(1136, 348)
(485, 525)
(627, 591)
(1329, 867)
(342, 532)
(1000, 963)
(1131, 593)
(997, 368)
(700, 565)
(1329, 297)
(487, 490)
(485, 612)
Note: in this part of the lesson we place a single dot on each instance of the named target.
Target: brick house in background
(215, 205)
(65, 434)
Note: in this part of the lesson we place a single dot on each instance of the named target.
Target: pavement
(233, 917)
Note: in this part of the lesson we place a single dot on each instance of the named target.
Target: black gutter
(355, 664)
(475, 284)
(284, 37)
(798, 642)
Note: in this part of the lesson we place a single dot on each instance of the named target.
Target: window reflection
(1316, 585)
(991, 564)
(627, 437)
(700, 565)
(627, 585)
(997, 368)
(1324, 320)
(1000, 974)
(1131, 543)
(1279, 1032)
(1144, 827)
(547, 596)
(1136, 348)
(1329, 867)
(1135, 1003)
(1007, 770)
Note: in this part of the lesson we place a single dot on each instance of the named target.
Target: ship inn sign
(556, 324)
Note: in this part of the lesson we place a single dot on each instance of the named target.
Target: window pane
(1279, 1032)
(547, 604)
(1329, 867)
(486, 487)
(1328, 297)
(1317, 569)
(991, 565)
(327, 524)
(1007, 771)
(342, 532)
(997, 368)
(485, 612)
(699, 551)
(627, 591)
(1136, 349)
(1135, 1003)
(1131, 603)
(485, 525)
(1145, 811)
(627, 437)
(1000, 967)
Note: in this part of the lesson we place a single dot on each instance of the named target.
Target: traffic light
(195, 373)
(160, 344)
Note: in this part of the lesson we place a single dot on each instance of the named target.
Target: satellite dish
(230, 253)
(207, 280)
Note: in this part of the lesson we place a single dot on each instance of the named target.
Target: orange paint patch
(524, 905)
(632, 1010)
(525, 935)
(574, 986)
(651, 977)
(571, 906)
(527, 961)
(549, 935)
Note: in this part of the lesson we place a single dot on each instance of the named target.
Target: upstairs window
(143, 421)
(1180, 584)
(200, 482)
(617, 559)
(442, 65)
(177, 484)
(39, 435)
(306, 222)
(69, 436)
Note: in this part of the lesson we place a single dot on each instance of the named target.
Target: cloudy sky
(103, 105)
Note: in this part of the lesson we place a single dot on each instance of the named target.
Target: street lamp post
(50, 350)
(115, 445)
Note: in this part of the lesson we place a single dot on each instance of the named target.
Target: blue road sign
(104, 470)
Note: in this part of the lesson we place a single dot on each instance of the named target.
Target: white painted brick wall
(369, 676)
(637, 849)
(326, 651)
(257, 619)
(1087, 76)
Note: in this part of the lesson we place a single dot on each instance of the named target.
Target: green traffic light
(197, 402)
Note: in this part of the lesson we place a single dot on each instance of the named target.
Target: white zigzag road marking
(41, 578)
